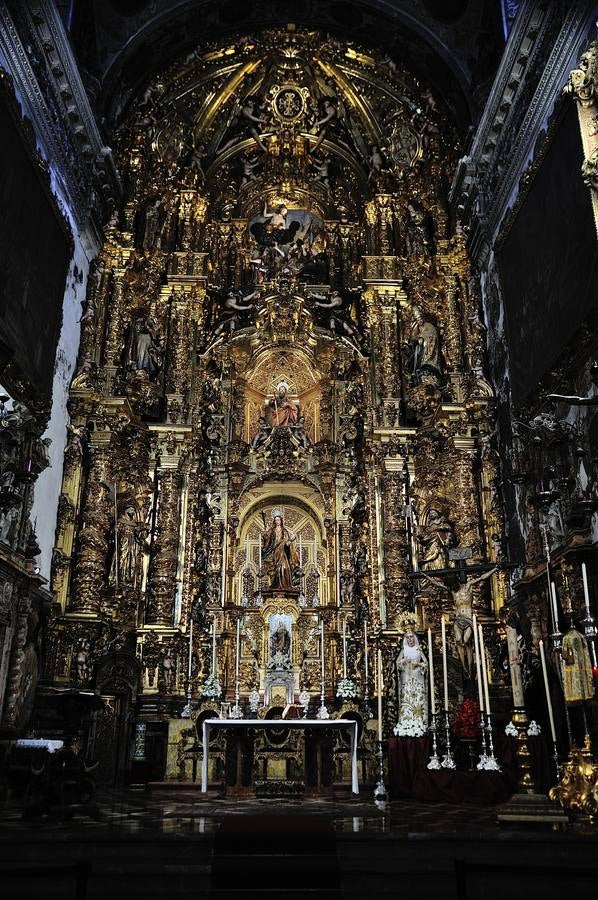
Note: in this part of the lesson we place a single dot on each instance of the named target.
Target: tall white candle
(547, 690)
(238, 654)
(478, 665)
(247, 552)
(300, 553)
(555, 609)
(586, 592)
(444, 665)
(322, 650)
(365, 650)
(515, 668)
(214, 646)
(190, 648)
(484, 665)
(345, 648)
(431, 672)
(380, 686)
(259, 555)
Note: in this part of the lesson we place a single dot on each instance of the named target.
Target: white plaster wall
(47, 488)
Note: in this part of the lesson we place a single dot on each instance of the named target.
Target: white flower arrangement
(416, 728)
(211, 687)
(304, 698)
(254, 701)
(533, 729)
(347, 689)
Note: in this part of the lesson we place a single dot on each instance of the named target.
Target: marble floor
(178, 843)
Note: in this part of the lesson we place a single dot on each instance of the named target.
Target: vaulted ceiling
(452, 45)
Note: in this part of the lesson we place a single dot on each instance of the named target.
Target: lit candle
(365, 645)
(515, 668)
(484, 665)
(444, 666)
(238, 654)
(322, 650)
(380, 686)
(345, 648)
(547, 690)
(190, 648)
(478, 666)
(555, 609)
(586, 592)
(431, 669)
(214, 646)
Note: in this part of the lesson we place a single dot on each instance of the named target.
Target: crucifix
(460, 587)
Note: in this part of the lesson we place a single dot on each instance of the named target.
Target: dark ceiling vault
(452, 46)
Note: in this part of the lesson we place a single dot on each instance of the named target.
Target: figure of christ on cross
(460, 587)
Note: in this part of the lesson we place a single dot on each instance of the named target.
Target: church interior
(298, 448)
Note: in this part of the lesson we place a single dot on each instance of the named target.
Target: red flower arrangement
(467, 722)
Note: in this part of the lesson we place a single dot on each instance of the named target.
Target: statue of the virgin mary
(279, 554)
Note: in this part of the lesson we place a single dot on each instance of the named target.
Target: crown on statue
(276, 512)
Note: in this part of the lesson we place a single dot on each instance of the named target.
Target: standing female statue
(279, 554)
(412, 669)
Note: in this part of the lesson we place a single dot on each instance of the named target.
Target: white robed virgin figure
(412, 673)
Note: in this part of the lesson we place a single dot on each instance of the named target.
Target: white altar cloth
(208, 724)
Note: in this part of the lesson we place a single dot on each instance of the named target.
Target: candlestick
(236, 710)
(547, 690)
(555, 613)
(365, 643)
(345, 648)
(322, 713)
(214, 646)
(515, 668)
(380, 685)
(476, 645)
(484, 667)
(444, 666)
(431, 670)
(586, 593)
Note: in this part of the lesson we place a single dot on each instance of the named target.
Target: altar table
(208, 724)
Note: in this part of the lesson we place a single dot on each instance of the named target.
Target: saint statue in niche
(280, 640)
(281, 410)
(280, 561)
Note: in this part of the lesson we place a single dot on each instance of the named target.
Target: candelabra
(236, 712)
(447, 760)
(591, 633)
(491, 763)
(434, 761)
(484, 754)
(380, 792)
(322, 713)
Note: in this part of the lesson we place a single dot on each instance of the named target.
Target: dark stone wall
(548, 260)
(35, 248)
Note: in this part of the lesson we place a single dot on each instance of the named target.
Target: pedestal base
(532, 808)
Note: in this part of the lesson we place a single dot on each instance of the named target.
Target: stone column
(583, 86)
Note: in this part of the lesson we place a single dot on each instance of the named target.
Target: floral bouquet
(211, 687)
(347, 689)
(467, 722)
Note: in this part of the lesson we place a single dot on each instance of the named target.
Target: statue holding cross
(460, 587)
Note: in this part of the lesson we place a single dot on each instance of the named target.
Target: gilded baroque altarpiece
(280, 414)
